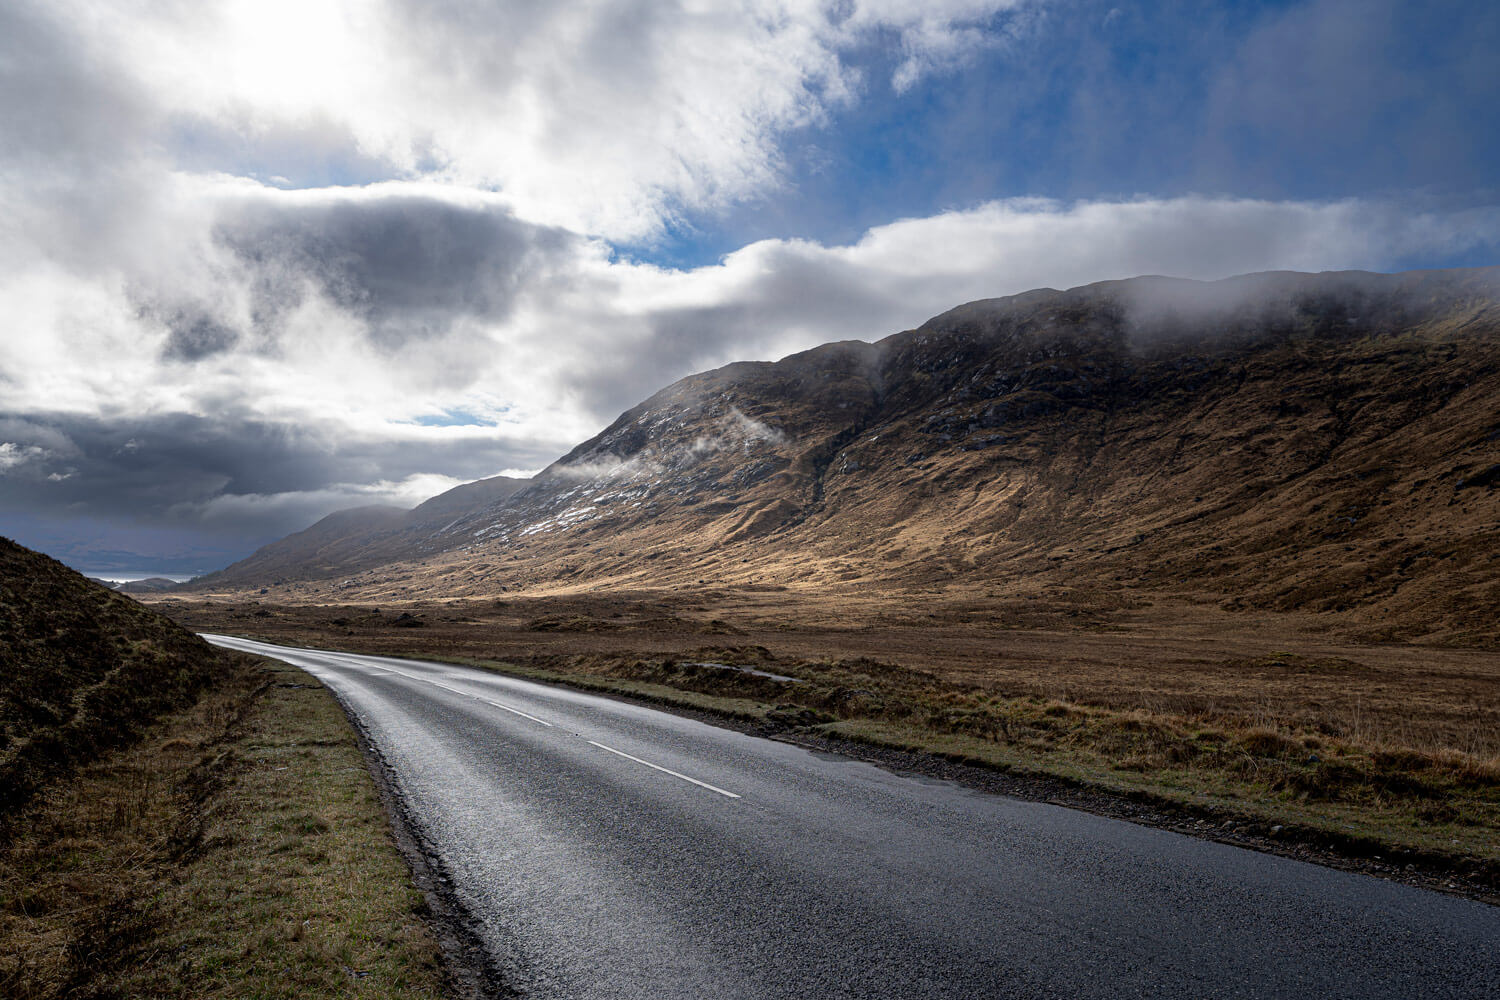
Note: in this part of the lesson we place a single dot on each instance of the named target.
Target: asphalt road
(609, 850)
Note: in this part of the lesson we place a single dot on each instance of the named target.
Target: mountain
(1318, 442)
(465, 499)
(82, 669)
(320, 550)
(361, 537)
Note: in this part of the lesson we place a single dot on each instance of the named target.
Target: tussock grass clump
(1262, 742)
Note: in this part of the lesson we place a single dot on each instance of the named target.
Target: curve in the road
(610, 850)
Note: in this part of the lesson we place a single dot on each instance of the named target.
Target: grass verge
(237, 850)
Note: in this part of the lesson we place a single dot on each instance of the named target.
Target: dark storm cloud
(156, 463)
(141, 468)
(406, 265)
(243, 480)
(197, 336)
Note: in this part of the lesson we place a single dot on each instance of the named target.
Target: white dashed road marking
(663, 770)
(543, 722)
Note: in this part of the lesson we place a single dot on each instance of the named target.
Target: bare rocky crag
(1323, 443)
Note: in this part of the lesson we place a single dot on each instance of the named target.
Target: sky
(261, 260)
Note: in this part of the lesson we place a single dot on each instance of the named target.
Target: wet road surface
(610, 850)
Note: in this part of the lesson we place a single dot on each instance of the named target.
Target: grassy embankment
(177, 822)
(237, 850)
(81, 670)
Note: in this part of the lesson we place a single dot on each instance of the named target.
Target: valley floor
(1276, 727)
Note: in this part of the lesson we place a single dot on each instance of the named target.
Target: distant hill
(150, 585)
(350, 540)
(82, 668)
(1318, 442)
(330, 546)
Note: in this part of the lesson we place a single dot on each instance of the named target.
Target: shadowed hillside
(82, 669)
(364, 536)
(1323, 443)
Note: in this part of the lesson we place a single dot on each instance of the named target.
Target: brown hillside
(82, 668)
(1326, 443)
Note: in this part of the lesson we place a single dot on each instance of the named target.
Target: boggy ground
(1280, 723)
